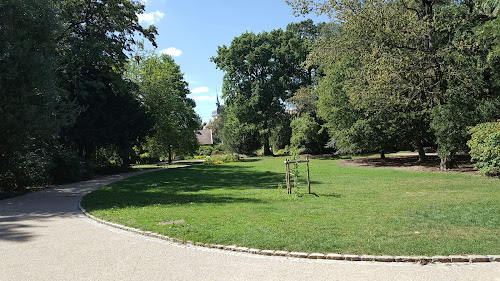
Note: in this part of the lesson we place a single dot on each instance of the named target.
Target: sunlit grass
(356, 210)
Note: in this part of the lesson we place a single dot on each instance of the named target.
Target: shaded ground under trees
(411, 163)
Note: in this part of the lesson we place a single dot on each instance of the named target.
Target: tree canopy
(62, 87)
(163, 92)
(261, 72)
(406, 70)
(93, 46)
(32, 107)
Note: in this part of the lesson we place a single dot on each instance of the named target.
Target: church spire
(216, 112)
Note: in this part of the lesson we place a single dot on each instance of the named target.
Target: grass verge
(357, 210)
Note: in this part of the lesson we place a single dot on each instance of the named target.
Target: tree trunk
(446, 163)
(267, 148)
(169, 154)
(421, 152)
(382, 155)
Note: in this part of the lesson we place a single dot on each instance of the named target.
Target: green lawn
(357, 210)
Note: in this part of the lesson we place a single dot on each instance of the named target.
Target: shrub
(221, 159)
(485, 147)
(67, 167)
(218, 149)
(283, 152)
(25, 170)
(106, 157)
(205, 150)
(146, 158)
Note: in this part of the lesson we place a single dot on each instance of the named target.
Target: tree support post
(288, 186)
(287, 177)
(308, 181)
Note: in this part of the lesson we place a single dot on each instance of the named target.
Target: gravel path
(43, 236)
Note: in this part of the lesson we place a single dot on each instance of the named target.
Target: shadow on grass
(334, 195)
(184, 186)
(249, 160)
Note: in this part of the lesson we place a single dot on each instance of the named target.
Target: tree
(305, 133)
(485, 147)
(261, 72)
(32, 107)
(240, 134)
(414, 60)
(93, 46)
(163, 92)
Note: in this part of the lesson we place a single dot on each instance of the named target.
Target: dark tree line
(65, 101)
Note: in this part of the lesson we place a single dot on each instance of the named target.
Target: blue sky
(191, 31)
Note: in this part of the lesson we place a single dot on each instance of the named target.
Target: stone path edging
(330, 256)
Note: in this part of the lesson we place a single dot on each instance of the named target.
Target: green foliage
(450, 122)
(107, 157)
(305, 100)
(237, 135)
(205, 150)
(305, 132)
(283, 152)
(33, 109)
(112, 118)
(219, 159)
(93, 46)
(397, 69)
(66, 166)
(28, 169)
(485, 147)
(163, 92)
(218, 149)
(61, 66)
(281, 132)
(217, 126)
(261, 72)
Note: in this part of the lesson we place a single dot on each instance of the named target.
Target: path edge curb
(329, 256)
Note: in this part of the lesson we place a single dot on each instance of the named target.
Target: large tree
(261, 72)
(32, 107)
(94, 43)
(419, 60)
(163, 91)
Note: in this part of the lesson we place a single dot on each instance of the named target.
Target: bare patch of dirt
(411, 163)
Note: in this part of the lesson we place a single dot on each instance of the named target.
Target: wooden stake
(308, 181)
(288, 187)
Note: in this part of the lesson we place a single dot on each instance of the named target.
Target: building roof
(205, 137)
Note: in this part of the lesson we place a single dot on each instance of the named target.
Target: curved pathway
(43, 236)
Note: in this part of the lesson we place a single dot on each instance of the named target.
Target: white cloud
(150, 18)
(203, 98)
(199, 90)
(174, 52)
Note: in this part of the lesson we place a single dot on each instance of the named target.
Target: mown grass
(356, 210)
